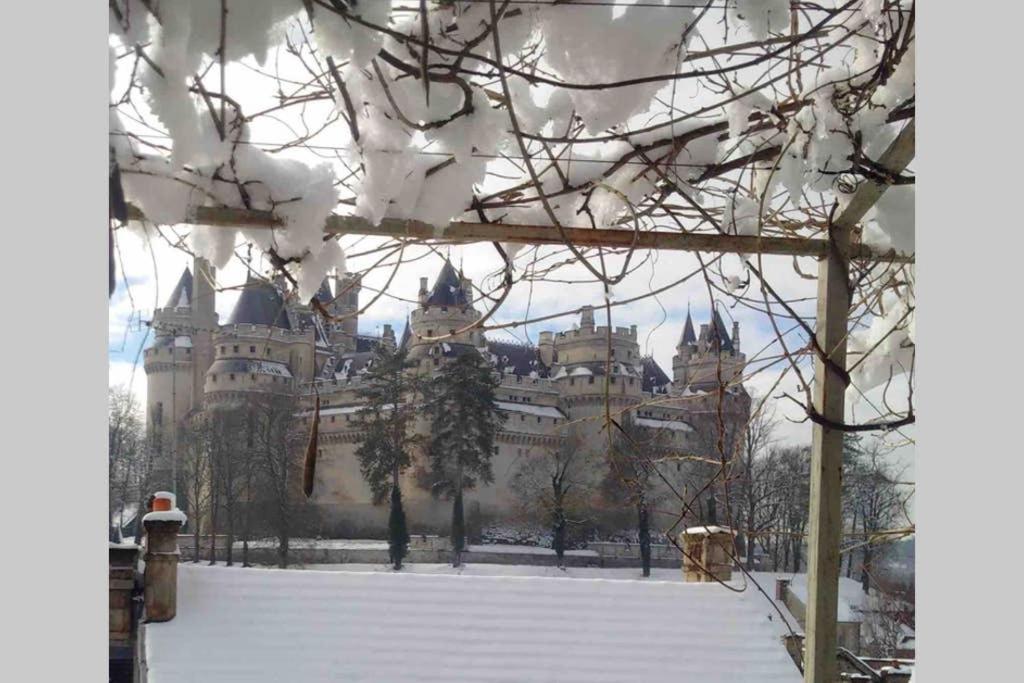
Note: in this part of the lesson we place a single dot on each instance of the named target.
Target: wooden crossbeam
(468, 232)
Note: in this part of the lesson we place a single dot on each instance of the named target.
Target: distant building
(271, 344)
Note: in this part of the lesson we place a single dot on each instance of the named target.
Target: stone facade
(272, 344)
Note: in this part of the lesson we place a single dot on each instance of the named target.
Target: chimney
(160, 580)
(467, 288)
(587, 318)
(632, 331)
(546, 348)
(781, 586)
(423, 290)
(708, 553)
(388, 337)
(736, 336)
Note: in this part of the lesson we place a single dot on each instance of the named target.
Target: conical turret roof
(181, 295)
(448, 289)
(688, 335)
(260, 304)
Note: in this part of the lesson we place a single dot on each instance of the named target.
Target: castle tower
(345, 303)
(701, 360)
(258, 349)
(181, 345)
(446, 308)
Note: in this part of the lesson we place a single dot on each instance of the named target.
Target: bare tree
(127, 456)
(554, 485)
(753, 465)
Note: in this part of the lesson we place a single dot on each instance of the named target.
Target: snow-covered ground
(489, 623)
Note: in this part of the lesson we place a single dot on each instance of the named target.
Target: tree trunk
(398, 534)
(213, 530)
(865, 569)
(645, 538)
(558, 532)
(749, 536)
(230, 511)
(195, 532)
(458, 530)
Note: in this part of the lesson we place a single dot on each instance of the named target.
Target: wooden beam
(468, 232)
(826, 522)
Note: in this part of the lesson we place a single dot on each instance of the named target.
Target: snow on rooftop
(676, 425)
(258, 625)
(709, 529)
(529, 409)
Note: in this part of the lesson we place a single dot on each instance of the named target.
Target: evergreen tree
(464, 424)
(389, 390)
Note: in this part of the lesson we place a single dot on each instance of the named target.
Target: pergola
(834, 255)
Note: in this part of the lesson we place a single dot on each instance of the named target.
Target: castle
(269, 343)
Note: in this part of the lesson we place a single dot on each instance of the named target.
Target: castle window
(231, 377)
(253, 377)
(590, 380)
(268, 351)
(188, 351)
(612, 379)
(222, 349)
(522, 418)
(234, 348)
(430, 333)
(451, 331)
(444, 308)
(252, 349)
(158, 414)
(437, 362)
(630, 381)
(538, 419)
(572, 381)
(332, 418)
(213, 378)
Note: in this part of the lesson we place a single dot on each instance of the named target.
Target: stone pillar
(122, 558)
(161, 576)
(708, 554)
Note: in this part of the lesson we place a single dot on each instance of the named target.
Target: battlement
(510, 379)
(261, 332)
(597, 332)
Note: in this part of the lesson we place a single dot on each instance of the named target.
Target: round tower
(257, 350)
(444, 310)
(168, 363)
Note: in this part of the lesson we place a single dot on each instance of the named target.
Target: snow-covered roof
(529, 409)
(709, 529)
(256, 625)
(652, 423)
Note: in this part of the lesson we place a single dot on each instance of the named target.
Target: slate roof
(448, 289)
(366, 343)
(324, 295)
(352, 363)
(718, 330)
(249, 366)
(521, 358)
(654, 376)
(182, 289)
(406, 335)
(688, 335)
(260, 304)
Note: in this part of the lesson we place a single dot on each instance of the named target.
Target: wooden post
(826, 463)
(829, 401)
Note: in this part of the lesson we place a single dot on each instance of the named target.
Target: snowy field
(490, 623)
